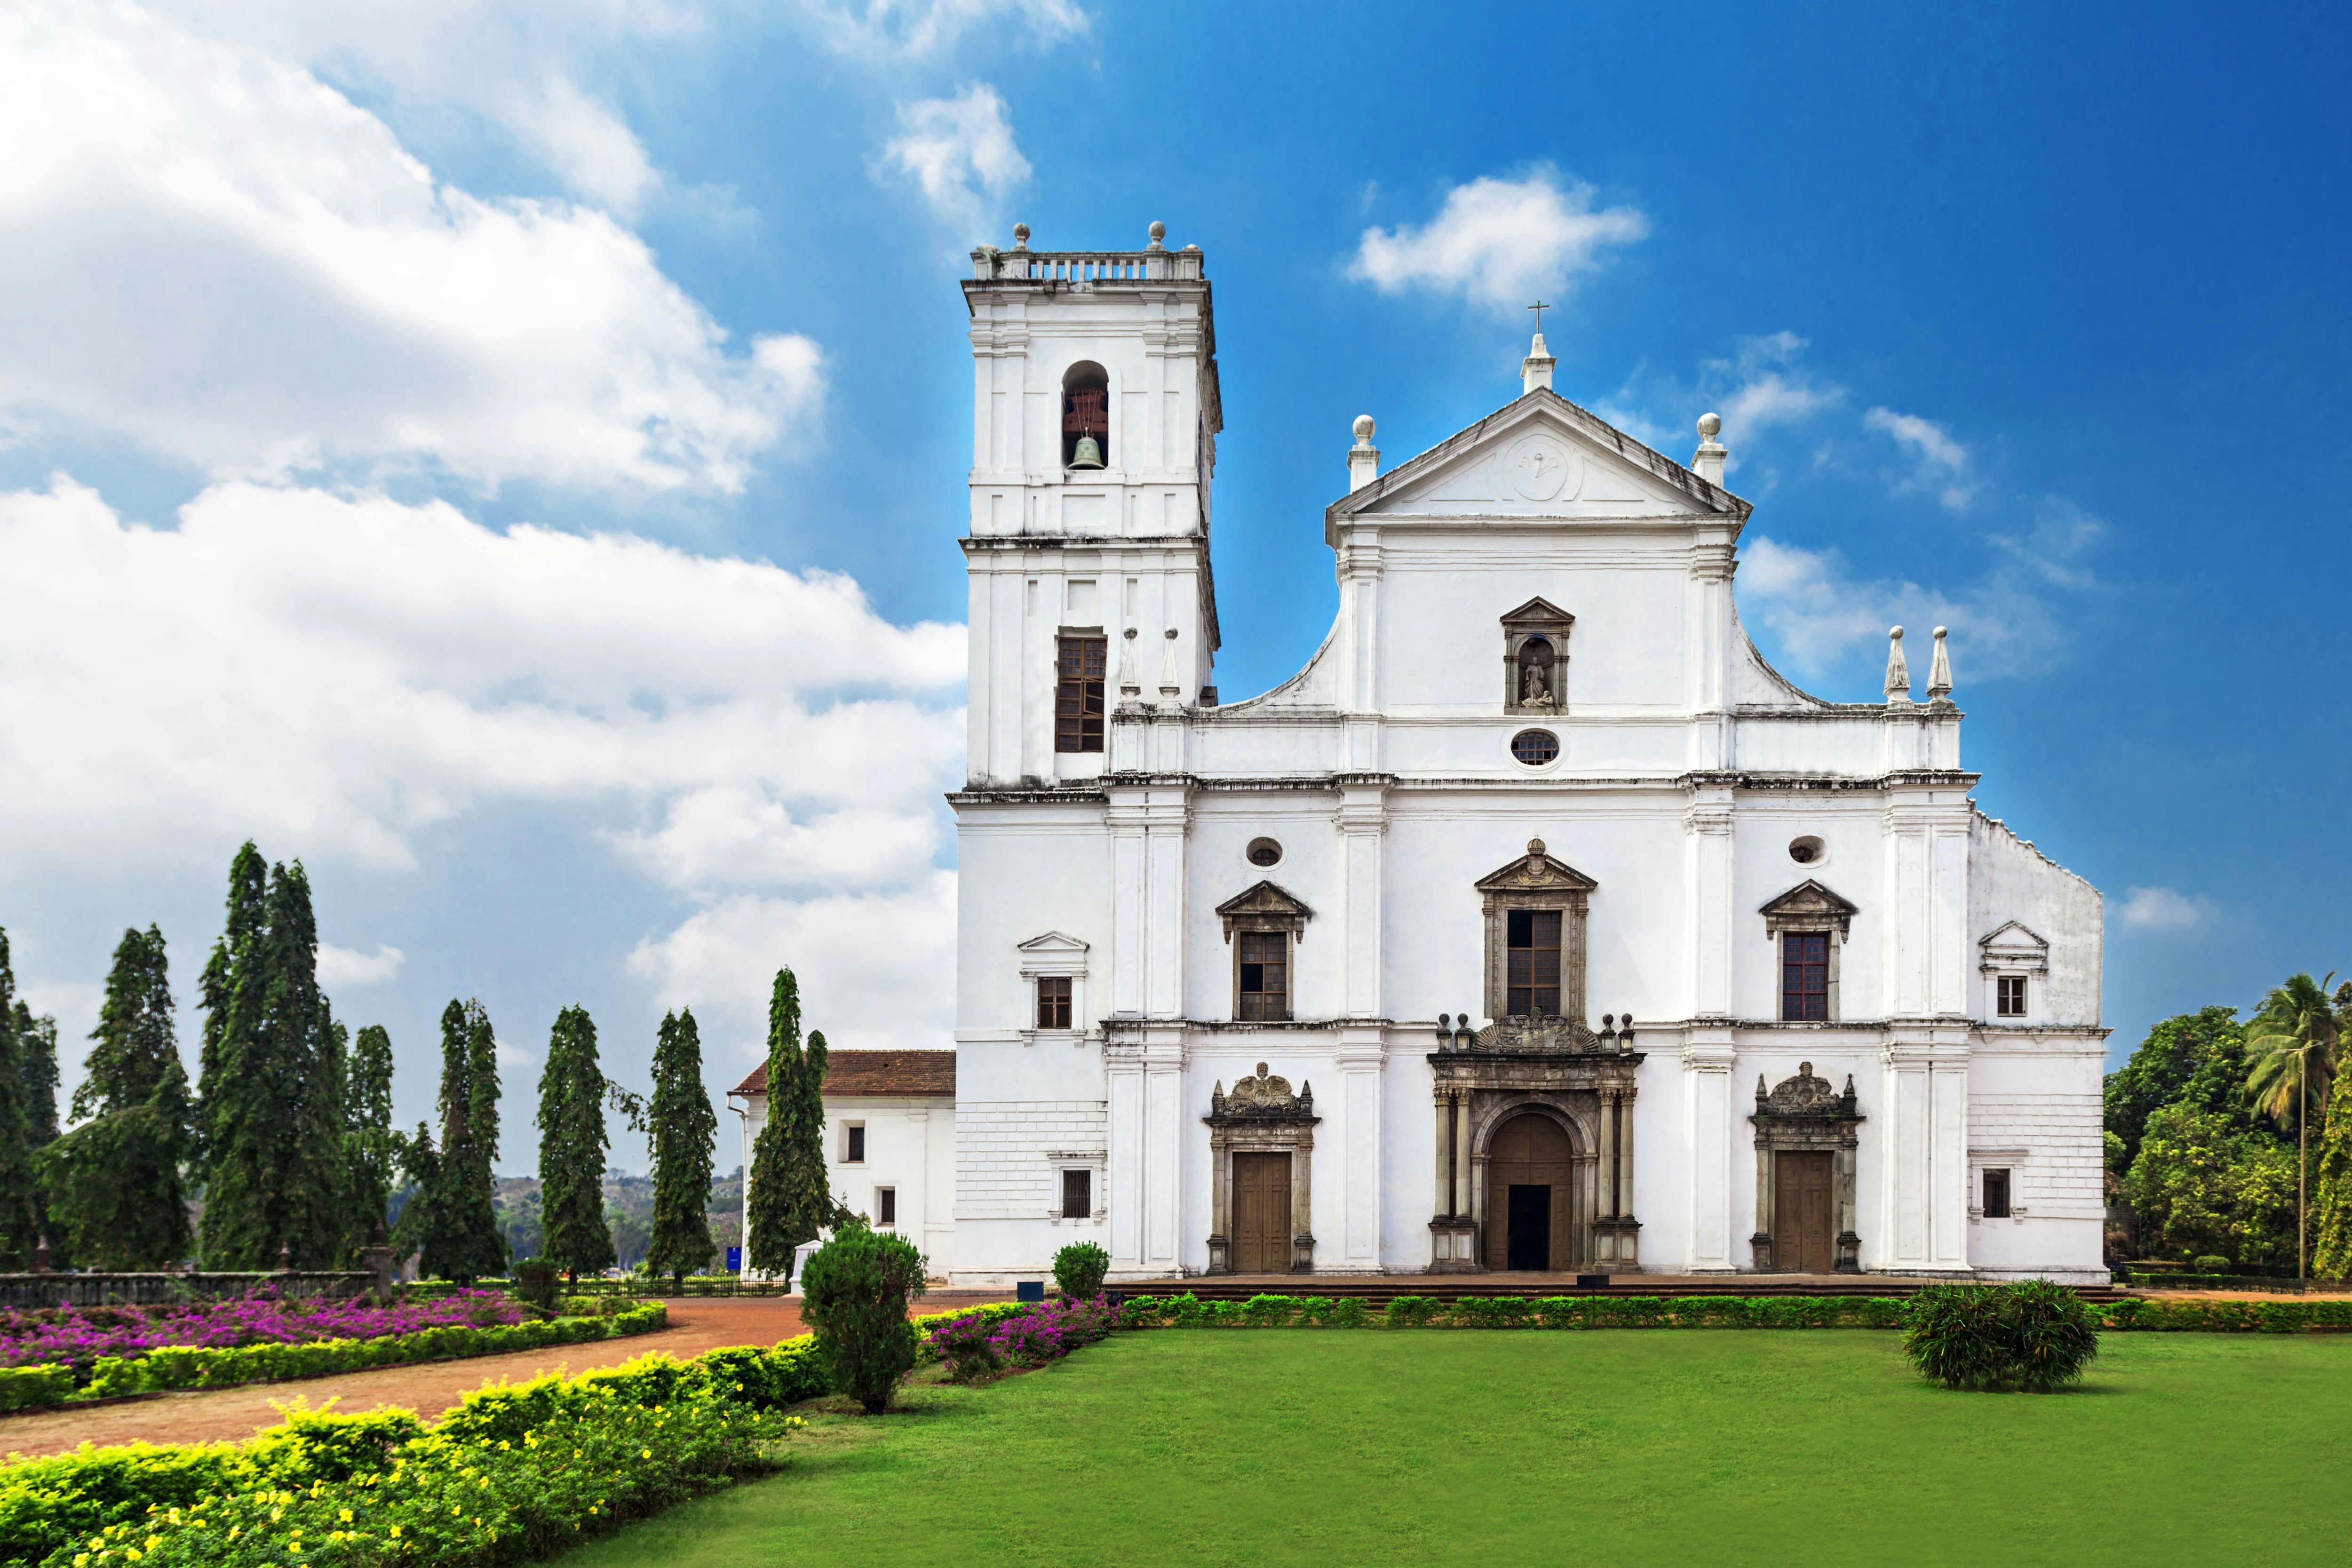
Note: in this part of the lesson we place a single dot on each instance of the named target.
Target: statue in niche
(1535, 675)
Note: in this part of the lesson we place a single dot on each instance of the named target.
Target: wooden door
(1804, 1204)
(1531, 1150)
(1260, 1214)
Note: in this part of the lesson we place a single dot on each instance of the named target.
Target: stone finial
(1536, 369)
(1363, 458)
(1130, 681)
(1159, 231)
(1535, 845)
(1020, 236)
(1898, 672)
(1170, 686)
(286, 1258)
(1939, 674)
(1707, 461)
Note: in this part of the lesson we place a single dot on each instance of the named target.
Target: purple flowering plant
(972, 1345)
(78, 1336)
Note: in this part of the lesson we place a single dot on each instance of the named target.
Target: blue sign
(734, 1260)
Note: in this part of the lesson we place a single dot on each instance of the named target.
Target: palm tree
(2291, 1045)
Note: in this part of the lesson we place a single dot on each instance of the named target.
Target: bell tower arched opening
(1086, 416)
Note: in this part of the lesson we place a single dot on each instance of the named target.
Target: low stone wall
(142, 1289)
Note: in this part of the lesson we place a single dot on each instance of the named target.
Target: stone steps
(1380, 1291)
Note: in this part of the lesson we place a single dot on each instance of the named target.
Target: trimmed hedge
(1186, 1312)
(2132, 1314)
(172, 1367)
(515, 1472)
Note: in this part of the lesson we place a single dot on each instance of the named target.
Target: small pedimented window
(1810, 925)
(1053, 976)
(1534, 916)
(1264, 925)
(2010, 959)
(1534, 657)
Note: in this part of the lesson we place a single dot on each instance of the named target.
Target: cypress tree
(481, 1177)
(36, 1052)
(417, 1231)
(20, 1216)
(684, 1139)
(461, 1239)
(789, 1201)
(116, 1178)
(572, 1149)
(272, 1071)
(371, 1147)
(227, 1032)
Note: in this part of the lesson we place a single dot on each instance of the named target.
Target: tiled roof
(878, 1075)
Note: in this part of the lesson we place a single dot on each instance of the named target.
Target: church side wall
(2011, 880)
(2034, 1109)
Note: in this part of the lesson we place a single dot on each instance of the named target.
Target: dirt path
(696, 1325)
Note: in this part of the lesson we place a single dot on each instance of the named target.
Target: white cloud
(2163, 908)
(334, 673)
(513, 64)
(961, 154)
(1941, 463)
(1762, 384)
(1499, 243)
(240, 268)
(875, 969)
(348, 966)
(884, 30)
(1818, 615)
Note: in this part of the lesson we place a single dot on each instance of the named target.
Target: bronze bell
(1088, 454)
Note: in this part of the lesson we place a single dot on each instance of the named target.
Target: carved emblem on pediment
(1262, 1097)
(1805, 1095)
(1525, 1033)
(1537, 871)
(1538, 467)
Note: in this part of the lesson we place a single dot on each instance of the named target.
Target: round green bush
(1078, 1269)
(2210, 1264)
(854, 1293)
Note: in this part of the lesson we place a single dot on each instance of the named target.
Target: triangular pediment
(1265, 898)
(1810, 903)
(1538, 614)
(1539, 456)
(1053, 944)
(1536, 872)
(2013, 946)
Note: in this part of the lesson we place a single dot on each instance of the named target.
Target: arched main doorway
(1530, 1195)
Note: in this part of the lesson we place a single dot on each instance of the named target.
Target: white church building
(1538, 923)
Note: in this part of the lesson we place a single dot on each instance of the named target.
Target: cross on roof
(1539, 307)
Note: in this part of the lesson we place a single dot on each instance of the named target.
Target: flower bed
(526, 1468)
(977, 1343)
(1186, 1312)
(171, 1367)
(81, 1336)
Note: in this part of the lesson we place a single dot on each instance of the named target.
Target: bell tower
(1095, 421)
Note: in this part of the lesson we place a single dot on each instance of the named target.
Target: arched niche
(1085, 414)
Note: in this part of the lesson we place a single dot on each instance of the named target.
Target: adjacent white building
(1536, 923)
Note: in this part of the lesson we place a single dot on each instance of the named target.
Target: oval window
(1265, 852)
(1807, 851)
(1536, 747)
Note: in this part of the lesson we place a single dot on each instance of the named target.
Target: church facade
(1536, 923)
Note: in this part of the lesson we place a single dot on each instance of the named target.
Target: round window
(1808, 850)
(1264, 852)
(1536, 747)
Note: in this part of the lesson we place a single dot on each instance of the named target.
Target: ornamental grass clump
(2032, 1335)
(854, 1293)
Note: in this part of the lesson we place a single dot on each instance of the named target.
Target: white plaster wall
(2035, 1107)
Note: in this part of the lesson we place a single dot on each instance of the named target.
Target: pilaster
(1361, 1053)
(1708, 837)
(1923, 1153)
(1363, 837)
(1706, 1126)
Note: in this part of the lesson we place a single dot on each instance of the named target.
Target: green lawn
(1630, 1448)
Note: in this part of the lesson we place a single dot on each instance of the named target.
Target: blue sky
(511, 460)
